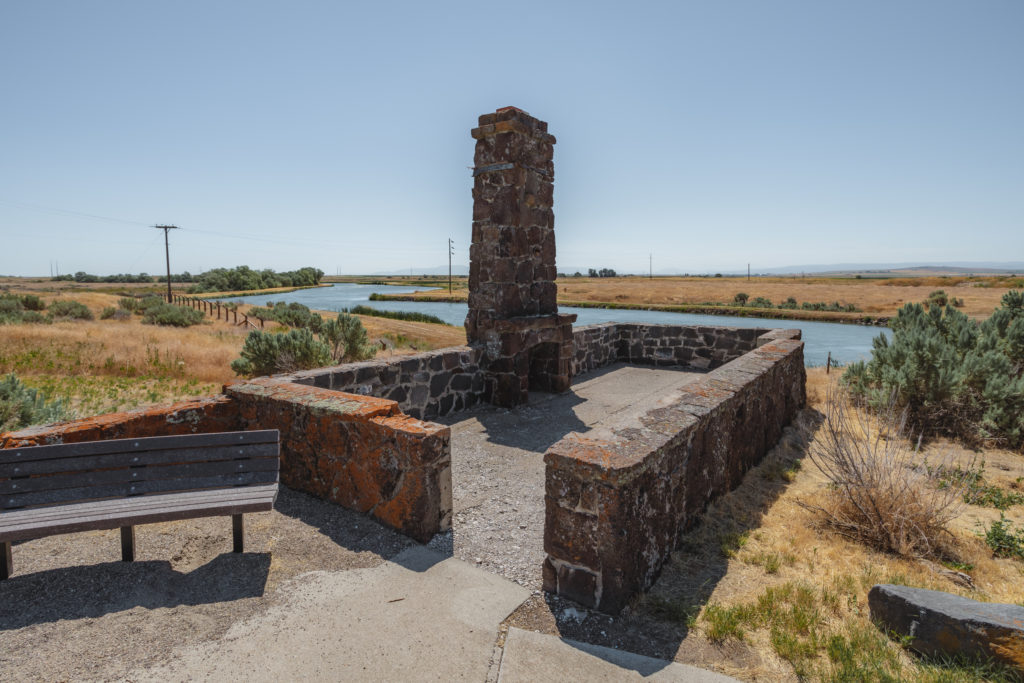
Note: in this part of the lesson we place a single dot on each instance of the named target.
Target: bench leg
(6, 565)
(128, 544)
(238, 531)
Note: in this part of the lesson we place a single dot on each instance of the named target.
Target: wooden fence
(214, 308)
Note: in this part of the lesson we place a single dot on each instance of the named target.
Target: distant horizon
(459, 270)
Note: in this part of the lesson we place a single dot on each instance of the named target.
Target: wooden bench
(47, 490)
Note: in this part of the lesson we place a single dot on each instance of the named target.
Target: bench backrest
(118, 468)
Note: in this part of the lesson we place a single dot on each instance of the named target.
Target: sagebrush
(339, 340)
(952, 375)
(21, 406)
(882, 492)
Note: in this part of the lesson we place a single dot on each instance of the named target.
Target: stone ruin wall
(694, 346)
(616, 508)
(424, 385)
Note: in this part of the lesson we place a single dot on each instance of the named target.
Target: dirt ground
(74, 611)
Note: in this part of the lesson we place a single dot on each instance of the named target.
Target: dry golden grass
(875, 297)
(106, 365)
(868, 296)
(759, 537)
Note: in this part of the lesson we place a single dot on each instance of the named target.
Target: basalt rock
(943, 624)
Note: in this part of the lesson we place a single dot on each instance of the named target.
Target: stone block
(942, 624)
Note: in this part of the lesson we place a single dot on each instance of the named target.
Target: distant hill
(955, 268)
(906, 269)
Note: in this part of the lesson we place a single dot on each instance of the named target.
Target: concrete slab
(535, 657)
(419, 617)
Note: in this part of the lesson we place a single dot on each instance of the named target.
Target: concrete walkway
(419, 617)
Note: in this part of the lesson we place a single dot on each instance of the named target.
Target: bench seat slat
(114, 504)
(149, 443)
(30, 467)
(27, 524)
(127, 489)
(137, 474)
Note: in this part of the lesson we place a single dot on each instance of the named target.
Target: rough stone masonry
(513, 315)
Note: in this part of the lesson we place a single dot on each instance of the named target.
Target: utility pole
(451, 250)
(650, 265)
(748, 272)
(167, 253)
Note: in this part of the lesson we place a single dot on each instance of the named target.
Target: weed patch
(1004, 540)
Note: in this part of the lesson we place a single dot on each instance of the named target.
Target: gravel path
(498, 463)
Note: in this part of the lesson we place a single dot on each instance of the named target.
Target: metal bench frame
(65, 488)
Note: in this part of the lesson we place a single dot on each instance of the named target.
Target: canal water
(846, 343)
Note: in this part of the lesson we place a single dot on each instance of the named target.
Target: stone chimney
(513, 311)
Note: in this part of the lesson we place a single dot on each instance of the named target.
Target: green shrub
(34, 317)
(1004, 541)
(937, 298)
(953, 375)
(10, 304)
(169, 314)
(741, 298)
(31, 302)
(346, 338)
(21, 406)
(70, 310)
(293, 315)
(267, 353)
(396, 315)
(761, 302)
(340, 340)
(13, 309)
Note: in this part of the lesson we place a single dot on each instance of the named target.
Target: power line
(51, 209)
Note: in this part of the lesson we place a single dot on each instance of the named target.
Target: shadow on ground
(536, 426)
(95, 590)
(348, 529)
(658, 624)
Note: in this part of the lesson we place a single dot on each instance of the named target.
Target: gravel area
(74, 611)
(498, 463)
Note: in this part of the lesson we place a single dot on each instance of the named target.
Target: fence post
(828, 363)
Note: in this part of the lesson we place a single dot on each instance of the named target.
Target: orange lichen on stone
(214, 414)
(356, 451)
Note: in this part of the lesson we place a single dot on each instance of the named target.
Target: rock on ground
(946, 624)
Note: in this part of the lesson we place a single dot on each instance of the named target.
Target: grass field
(760, 575)
(872, 297)
(102, 366)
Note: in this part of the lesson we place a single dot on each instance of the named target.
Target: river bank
(700, 309)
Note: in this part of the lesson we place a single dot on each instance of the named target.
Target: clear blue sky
(715, 133)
